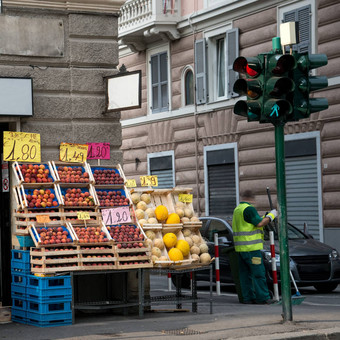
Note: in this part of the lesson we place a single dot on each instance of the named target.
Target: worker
(248, 240)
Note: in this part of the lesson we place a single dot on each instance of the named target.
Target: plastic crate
(56, 306)
(49, 283)
(49, 320)
(43, 295)
(19, 303)
(18, 315)
(25, 240)
(22, 256)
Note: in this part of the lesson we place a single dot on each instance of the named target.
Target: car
(312, 263)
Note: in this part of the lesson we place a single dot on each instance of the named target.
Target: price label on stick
(83, 215)
(43, 219)
(21, 146)
(98, 151)
(185, 198)
(149, 181)
(116, 215)
(74, 153)
(131, 183)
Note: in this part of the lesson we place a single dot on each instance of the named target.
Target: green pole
(282, 216)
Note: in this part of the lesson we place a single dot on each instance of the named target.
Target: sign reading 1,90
(21, 146)
(74, 153)
(149, 181)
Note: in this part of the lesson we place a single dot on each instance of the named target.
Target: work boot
(266, 302)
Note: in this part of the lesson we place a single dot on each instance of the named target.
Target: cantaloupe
(150, 234)
(180, 205)
(148, 243)
(140, 214)
(180, 212)
(152, 220)
(186, 232)
(185, 219)
(158, 242)
(195, 257)
(154, 258)
(194, 219)
(156, 251)
(189, 240)
(205, 258)
(150, 212)
(142, 222)
(164, 258)
(195, 250)
(203, 248)
(135, 197)
(188, 212)
(141, 205)
(145, 198)
(196, 239)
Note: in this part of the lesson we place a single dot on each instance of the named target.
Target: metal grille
(183, 331)
(302, 260)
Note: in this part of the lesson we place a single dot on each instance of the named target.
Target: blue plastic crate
(48, 283)
(48, 294)
(19, 279)
(21, 255)
(56, 306)
(18, 291)
(49, 320)
(19, 303)
(25, 240)
(19, 315)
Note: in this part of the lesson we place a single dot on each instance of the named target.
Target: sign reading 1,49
(73, 152)
(21, 146)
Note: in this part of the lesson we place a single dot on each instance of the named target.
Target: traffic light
(251, 85)
(305, 83)
(278, 89)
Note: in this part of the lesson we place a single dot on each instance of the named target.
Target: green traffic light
(250, 109)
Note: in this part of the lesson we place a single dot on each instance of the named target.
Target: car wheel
(325, 287)
(184, 280)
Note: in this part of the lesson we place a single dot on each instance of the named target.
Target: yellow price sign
(74, 153)
(185, 198)
(131, 183)
(43, 219)
(21, 146)
(83, 215)
(149, 181)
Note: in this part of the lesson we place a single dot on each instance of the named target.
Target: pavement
(230, 320)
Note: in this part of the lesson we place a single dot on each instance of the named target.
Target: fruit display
(112, 198)
(106, 176)
(126, 236)
(33, 173)
(198, 247)
(51, 235)
(98, 234)
(40, 198)
(72, 174)
(77, 197)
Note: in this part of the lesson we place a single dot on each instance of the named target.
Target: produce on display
(145, 198)
(173, 219)
(175, 254)
(112, 198)
(183, 246)
(54, 235)
(90, 234)
(126, 236)
(170, 240)
(107, 176)
(161, 213)
(35, 173)
(74, 197)
(205, 258)
(41, 198)
(72, 174)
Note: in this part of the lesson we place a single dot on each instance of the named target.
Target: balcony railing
(138, 17)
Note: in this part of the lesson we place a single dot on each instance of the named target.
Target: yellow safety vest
(246, 236)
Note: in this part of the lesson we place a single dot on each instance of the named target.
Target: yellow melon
(173, 219)
(183, 246)
(161, 213)
(175, 254)
(170, 240)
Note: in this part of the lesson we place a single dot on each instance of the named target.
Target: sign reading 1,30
(21, 146)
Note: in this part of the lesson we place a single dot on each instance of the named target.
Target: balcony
(145, 21)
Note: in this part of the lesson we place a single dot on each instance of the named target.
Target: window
(162, 165)
(159, 82)
(188, 87)
(215, 79)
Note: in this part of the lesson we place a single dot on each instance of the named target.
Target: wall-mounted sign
(116, 215)
(74, 153)
(98, 151)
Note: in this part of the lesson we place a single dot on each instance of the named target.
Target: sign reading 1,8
(149, 181)
(74, 153)
(21, 146)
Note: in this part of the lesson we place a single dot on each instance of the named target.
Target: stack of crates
(41, 301)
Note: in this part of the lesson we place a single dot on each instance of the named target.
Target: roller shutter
(162, 168)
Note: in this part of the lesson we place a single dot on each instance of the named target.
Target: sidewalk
(230, 320)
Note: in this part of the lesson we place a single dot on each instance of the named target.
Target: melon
(154, 258)
(145, 198)
(135, 197)
(158, 242)
(195, 250)
(180, 212)
(189, 240)
(203, 248)
(195, 257)
(186, 232)
(183, 246)
(188, 212)
(148, 243)
(161, 213)
(156, 251)
(140, 214)
(141, 205)
(163, 258)
(152, 220)
(196, 239)
(150, 212)
(205, 258)
(194, 219)
(170, 240)
(173, 219)
(150, 234)
(180, 205)
(142, 222)
(175, 254)
(185, 219)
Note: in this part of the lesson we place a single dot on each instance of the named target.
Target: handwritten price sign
(43, 219)
(185, 198)
(21, 146)
(131, 183)
(98, 151)
(83, 215)
(73, 153)
(149, 181)
(116, 215)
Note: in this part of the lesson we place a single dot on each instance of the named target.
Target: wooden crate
(84, 167)
(70, 215)
(77, 188)
(97, 257)
(133, 258)
(47, 260)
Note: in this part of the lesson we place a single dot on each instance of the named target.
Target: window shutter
(163, 75)
(159, 82)
(302, 17)
(154, 83)
(200, 72)
(232, 54)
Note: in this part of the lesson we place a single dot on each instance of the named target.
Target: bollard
(272, 252)
(217, 265)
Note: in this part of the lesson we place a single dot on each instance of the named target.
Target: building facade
(186, 132)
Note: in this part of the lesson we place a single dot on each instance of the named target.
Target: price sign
(131, 183)
(98, 151)
(185, 198)
(149, 181)
(74, 153)
(116, 215)
(21, 146)
(43, 219)
(83, 215)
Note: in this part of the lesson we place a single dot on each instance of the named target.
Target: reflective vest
(246, 236)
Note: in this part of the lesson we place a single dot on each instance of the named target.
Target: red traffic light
(248, 66)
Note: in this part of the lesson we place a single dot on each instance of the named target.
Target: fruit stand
(81, 219)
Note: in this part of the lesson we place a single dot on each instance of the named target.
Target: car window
(293, 233)
(220, 228)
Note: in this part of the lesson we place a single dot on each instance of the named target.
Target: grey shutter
(165, 178)
(232, 37)
(302, 17)
(159, 82)
(302, 193)
(200, 72)
(222, 189)
(163, 75)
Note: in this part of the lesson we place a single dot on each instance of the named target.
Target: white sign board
(16, 97)
(124, 91)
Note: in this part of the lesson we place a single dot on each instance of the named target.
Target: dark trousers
(252, 276)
